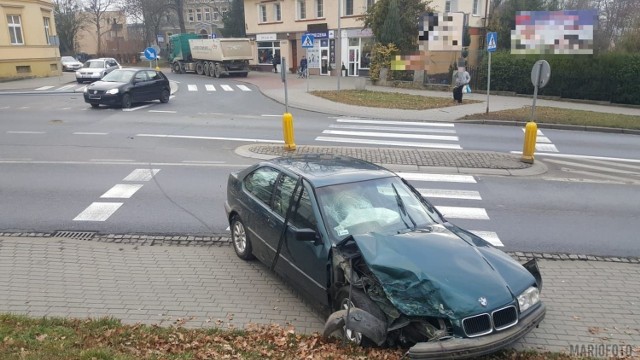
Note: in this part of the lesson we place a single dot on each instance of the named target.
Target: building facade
(28, 41)
(113, 39)
(278, 26)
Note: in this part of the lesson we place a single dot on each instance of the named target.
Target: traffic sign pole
(492, 45)
(488, 81)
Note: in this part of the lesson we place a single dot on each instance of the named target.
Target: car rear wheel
(126, 101)
(164, 96)
(240, 239)
(95, 106)
(360, 300)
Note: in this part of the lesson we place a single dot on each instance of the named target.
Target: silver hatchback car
(95, 69)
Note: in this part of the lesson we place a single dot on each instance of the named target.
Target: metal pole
(307, 70)
(338, 40)
(535, 93)
(488, 81)
(284, 80)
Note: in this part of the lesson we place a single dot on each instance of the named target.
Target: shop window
(267, 50)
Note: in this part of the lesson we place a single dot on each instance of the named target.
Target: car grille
(96, 91)
(477, 325)
(485, 324)
(505, 317)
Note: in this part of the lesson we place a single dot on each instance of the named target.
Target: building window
(47, 30)
(199, 14)
(476, 7)
(216, 12)
(190, 15)
(302, 9)
(319, 8)
(262, 11)
(15, 29)
(447, 6)
(276, 12)
(348, 7)
(370, 4)
(207, 14)
(267, 50)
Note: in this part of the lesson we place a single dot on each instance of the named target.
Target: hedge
(611, 77)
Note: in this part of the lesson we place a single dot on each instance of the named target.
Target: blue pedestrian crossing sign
(492, 41)
(307, 41)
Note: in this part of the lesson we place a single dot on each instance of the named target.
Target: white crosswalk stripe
(226, 87)
(243, 88)
(451, 191)
(192, 87)
(598, 169)
(543, 143)
(45, 88)
(414, 134)
(210, 87)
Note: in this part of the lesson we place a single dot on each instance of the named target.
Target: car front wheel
(164, 96)
(240, 239)
(95, 105)
(126, 101)
(360, 300)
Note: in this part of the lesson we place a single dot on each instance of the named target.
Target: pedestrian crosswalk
(190, 88)
(543, 144)
(593, 168)
(434, 135)
(457, 198)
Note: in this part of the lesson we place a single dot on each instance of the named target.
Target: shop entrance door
(324, 61)
(354, 61)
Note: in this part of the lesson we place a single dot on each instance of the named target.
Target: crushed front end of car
(434, 292)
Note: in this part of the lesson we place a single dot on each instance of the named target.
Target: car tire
(199, 68)
(79, 81)
(360, 300)
(95, 106)
(240, 239)
(217, 71)
(125, 103)
(164, 96)
(176, 67)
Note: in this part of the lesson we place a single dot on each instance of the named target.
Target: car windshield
(94, 64)
(68, 59)
(119, 76)
(384, 205)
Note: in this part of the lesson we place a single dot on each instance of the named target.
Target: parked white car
(95, 69)
(69, 63)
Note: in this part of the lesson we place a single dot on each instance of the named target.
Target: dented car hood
(436, 273)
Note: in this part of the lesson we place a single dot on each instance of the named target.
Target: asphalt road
(59, 157)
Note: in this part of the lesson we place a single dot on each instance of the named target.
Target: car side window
(302, 216)
(261, 182)
(141, 76)
(153, 75)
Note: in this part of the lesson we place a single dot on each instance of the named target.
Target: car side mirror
(306, 235)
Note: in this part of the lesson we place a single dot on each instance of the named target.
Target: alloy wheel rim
(353, 336)
(239, 237)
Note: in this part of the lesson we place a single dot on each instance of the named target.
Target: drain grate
(78, 235)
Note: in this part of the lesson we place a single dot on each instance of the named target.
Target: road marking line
(226, 87)
(589, 157)
(609, 163)
(111, 160)
(389, 143)
(192, 87)
(450, 194)
(90, 133)
(543, 139)
(121, 191)
(468, 179)
(24, 108)
(604, 176)
(392, 135)
(44, 88)
(137, 108)
(210, 87)
(111, 163)
(98, 211)
(141, 175)
(163, 111)
(211, 138)
(66, 87)
(538, 133)
(490, 236)
(243, 87)
(546, 147)
(25, 132)
(388, 122)
(391, 128)
(267, 115)
(592, 167)
(202, 162)
(459, 212)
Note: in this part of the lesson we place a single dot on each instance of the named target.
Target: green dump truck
(211, 57)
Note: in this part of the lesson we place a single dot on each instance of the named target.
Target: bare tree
(150, 13)
(97, 10)
(69, 22)
(178, 7)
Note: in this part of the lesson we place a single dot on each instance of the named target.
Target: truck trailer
(211, 57)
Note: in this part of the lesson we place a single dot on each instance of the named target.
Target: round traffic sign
(540, 73)
(150, 53)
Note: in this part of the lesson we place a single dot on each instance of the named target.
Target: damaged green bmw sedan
(363, 242)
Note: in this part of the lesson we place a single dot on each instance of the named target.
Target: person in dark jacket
(275, 62)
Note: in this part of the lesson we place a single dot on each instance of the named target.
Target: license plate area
(96, 97)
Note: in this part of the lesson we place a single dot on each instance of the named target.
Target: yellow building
(28, 41)
(113, 39)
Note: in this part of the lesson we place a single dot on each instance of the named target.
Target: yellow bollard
(530, 133)
(287, 130)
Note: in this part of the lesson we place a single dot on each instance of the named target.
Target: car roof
(328, 169)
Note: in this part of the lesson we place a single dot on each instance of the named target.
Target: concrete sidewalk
(589, 303)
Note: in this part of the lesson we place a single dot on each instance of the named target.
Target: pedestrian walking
(460, 79)
(303, 67)
(275, 62)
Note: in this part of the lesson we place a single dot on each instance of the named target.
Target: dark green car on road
(363, 242)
